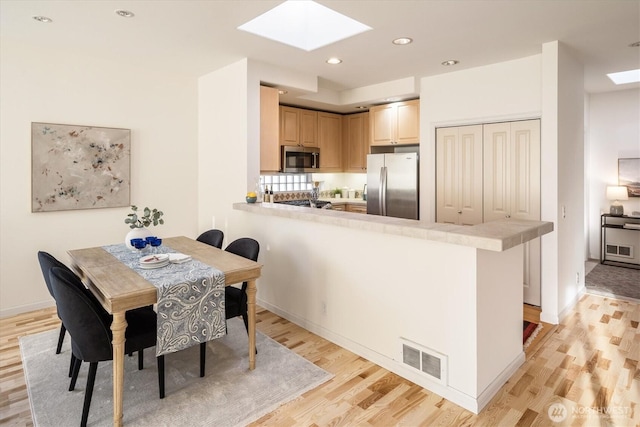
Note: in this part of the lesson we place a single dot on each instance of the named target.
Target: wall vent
(615, 249)
(425, 360)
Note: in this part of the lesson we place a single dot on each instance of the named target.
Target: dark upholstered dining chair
(212, 237)
(89, 326)
(47, 262)
(235, 299)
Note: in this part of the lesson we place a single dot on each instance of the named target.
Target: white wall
(614, 132)
(510, 90)
(499, 342)
(335, 281)
(571, 205)
(44, 85)
(505, 91)
(365, 291)
(222, 146)
(548, 86)
(562, 181)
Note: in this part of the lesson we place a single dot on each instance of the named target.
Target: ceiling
(199, 36)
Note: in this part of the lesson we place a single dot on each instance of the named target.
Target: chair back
(47, 262)
(245, 247)
(212, 237)
(87, 323)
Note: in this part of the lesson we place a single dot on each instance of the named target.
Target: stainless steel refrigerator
(392, 185)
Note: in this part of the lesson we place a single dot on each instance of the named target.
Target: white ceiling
(198, 36)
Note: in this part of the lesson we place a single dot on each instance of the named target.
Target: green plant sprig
(148, 218)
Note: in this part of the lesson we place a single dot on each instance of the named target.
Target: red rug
(528, 329)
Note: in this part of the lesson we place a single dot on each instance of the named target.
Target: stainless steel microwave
(299, 159)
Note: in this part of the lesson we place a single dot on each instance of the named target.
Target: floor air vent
(424, 359)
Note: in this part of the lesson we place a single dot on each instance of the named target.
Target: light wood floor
(532, 314)
(588, 364)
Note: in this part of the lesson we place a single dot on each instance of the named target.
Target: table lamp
(616, 194)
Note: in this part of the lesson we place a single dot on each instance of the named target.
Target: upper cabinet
(308, 128)
(298, 127)
(329, 139)
(355, 142)
(396, 123)
(269, 140)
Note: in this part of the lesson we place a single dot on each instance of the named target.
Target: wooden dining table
(119, 288)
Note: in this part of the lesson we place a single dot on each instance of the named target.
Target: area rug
(229, 394)
(529, 332)
(611, 281)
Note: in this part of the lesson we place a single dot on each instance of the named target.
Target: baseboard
(555, 320)
(469, 403)
(25, 309)
(495, 386)
(569, 307)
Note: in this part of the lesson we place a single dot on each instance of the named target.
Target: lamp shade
(617, 193)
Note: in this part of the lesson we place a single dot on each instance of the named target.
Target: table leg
(251, 308)
(118, 327)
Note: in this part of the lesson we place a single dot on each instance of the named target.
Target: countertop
(493, 236)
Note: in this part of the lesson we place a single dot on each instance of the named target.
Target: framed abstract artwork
(629, 175)
(79, 167)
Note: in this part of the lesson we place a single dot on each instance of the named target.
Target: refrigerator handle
(380, 192)
(383, 191)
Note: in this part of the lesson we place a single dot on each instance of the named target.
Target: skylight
(624, 77)
(304, 24)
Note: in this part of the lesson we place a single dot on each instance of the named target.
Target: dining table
(119, 288)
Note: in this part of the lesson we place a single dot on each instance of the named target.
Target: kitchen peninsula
(398, 291)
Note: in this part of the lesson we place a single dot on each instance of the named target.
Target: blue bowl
(251, 199)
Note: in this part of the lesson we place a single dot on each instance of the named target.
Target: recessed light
(124, 13)
(361, 107)
(636, 44)
(402, 41)
(449, 62)
(624, 77)
(334, 61)
(43, 19)
(393, 99)
(282, 92)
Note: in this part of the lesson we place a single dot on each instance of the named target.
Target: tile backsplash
(302, 195)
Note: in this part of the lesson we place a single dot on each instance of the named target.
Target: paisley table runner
(190, 299)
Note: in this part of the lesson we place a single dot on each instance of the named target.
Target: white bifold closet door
(512, 186)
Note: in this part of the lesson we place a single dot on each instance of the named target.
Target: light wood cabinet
(395, 123)
(459, 175)
(350, 207)
(355, 142)
(289, 126)
(298, 126)
(330, 141)
(308, 128)
(269, 130)
(357, 208)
